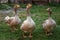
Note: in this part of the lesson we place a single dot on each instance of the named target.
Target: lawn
(39, 14)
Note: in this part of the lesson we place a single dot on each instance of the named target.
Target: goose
(49, 24)
(14, 20)
(28, 25)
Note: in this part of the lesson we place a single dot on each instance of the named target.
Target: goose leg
(15, 28)
(51, 33)
(46, 31)
(30, 35)
(12, 29)
(24, 35)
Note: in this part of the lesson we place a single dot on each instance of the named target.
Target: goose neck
(28, 12)
(50, 13)
(16, 14)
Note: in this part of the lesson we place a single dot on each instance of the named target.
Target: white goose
(28, 25)
(49, 24)
(13, 21)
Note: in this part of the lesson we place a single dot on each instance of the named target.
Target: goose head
(28, 8)
(16, 7)
(49, 11)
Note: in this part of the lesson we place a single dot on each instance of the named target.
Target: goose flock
(28, 25)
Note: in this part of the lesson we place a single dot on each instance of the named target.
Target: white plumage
(13, 19)
(49, 22)
(16, 18)
(7, 18)
(28, 22)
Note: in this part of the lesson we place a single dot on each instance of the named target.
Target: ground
(39, 14)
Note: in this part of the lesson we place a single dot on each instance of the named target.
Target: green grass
(4, 6)
(39, 14)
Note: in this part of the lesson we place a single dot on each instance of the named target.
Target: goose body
(28, 24)
(16, 19)
(49, 23)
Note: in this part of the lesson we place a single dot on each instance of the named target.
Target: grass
(39, 14)
(4, 6)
